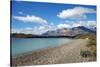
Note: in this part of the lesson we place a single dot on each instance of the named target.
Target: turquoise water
(25, 45)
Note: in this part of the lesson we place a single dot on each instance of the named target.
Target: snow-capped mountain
(70, 32)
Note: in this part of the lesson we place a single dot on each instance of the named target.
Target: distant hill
(21, 35)
(83, 29)
(86, 35)
(63, 32)
(58, 32)
(69, 32)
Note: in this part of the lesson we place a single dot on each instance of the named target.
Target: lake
(25, 45)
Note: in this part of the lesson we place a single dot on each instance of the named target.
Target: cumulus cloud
(63, 26)
(68, 25)
(41, 29)
(30, 30)
(33, 19)
(91, 23)
(84, 23)
(23, 30)
(77, 12)
(76, 24)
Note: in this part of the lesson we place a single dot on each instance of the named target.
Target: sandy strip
(69, 53)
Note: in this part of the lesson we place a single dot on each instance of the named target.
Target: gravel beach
(67, 53)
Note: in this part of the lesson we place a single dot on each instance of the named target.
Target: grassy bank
(90, 51)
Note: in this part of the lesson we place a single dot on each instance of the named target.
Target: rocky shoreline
(67, 53)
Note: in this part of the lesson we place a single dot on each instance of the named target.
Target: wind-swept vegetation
(91, 46)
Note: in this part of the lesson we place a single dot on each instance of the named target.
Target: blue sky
(36, 17)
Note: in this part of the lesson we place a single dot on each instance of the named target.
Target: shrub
(85, 53)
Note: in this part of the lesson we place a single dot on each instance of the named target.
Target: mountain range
(70, 31)
(62, 32)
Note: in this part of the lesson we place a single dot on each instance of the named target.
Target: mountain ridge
(70, 32)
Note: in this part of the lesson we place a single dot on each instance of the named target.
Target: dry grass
(92, 43)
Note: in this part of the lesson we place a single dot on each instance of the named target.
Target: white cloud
(85, 23)
(29, 30)
(63, 26)
(76, 24)
(91, 23)
(68, 25)
(23, 30)
(77, 12)
(33, 19)
(42, 29)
